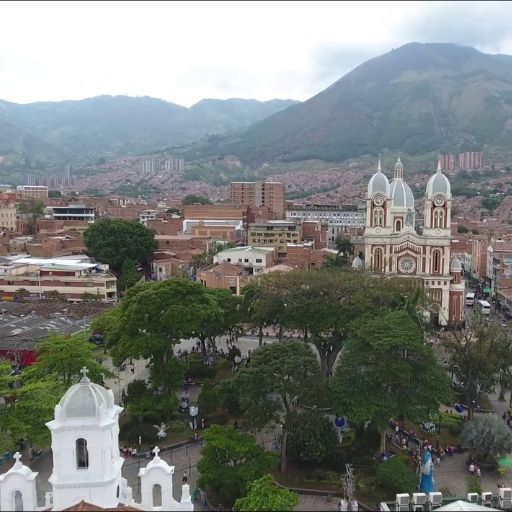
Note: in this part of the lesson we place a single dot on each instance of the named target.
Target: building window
(378, 217)
(377, 260)
(17, 499)
(439, 218)
(82, 454)
(228, 260)
(246, 260)
(258, 260)
(157, 495)
(436, 262)
(398, 225)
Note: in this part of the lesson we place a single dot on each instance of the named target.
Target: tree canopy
(112, 241)
(195, 199)
(230, 461)
(387, 371)
(279, 379)
(266, 496)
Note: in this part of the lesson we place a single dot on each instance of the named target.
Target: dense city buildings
(466, 161)
(393, 246)
(340, 218)
(157, 165)
(259, 193)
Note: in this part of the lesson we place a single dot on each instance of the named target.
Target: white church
(87, 463)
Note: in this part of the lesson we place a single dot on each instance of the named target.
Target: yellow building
(274, 233)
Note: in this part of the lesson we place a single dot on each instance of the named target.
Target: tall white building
(87, 463)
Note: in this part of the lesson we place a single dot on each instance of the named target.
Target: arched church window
(377, 260)
(82, 454)
(117, 492)
(157, 495)
(398, 225)
(436, 261)
(378, 217)
(17, 499)
(439, 218)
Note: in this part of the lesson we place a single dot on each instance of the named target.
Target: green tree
(272, 388)
(396, 476)
(265, 495)
(54, 193)
(387, 371)
(195, 199)
(33, 208)
(462, 229)
(112, 241)
(475, 356)
(151, 319)
(62, 357)
(230, 461)
(312, 438)
(207, 400)
(487, 438)
(129, 276)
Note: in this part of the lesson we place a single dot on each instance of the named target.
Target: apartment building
(32, 192)
(8, 217)
(274, 233)
(77, 212)
(71, 277)
(256, 194)
(254, 259)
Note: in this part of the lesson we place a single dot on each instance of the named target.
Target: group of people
(474, 469)
(129, 452)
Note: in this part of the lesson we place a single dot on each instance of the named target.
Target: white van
(470, 299)
(484, 307)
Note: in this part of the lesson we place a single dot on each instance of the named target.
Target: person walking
(185, 476)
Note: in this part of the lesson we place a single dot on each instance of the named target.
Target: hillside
(417, 98)
(119, 125)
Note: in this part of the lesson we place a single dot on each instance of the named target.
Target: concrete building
(147, 215)
(87, 462)
(256, 194)
(339, 218)
(394, 246)
(79, 212)
(225, 276)
(253, 259)
(70, 277)
(8, 217)
(32, 192)
(304, 256)
(274, 233)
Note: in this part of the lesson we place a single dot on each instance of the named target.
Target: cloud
(485, 25)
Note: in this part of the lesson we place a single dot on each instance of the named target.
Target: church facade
(394, 246)
(87, 463)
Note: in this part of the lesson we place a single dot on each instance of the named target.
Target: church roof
(85, 506)
(84, 400)
(438, 184)
(378, 183)
(401, 194)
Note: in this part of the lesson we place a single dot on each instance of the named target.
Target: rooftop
(249, 248)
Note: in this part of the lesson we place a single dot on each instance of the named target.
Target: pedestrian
(478, 472)
(185, 476)
(471, 468)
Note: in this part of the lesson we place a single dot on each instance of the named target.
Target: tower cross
(156, 451)
(17, 456)
(84, 371)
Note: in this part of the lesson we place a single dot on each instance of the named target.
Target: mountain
(119, 125)
(417, 98)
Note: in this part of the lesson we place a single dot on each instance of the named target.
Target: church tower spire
(399, 169)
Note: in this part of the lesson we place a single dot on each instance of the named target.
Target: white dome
(438, 184)
(378, 183)
(357, 263)
(401, 194)
(399, 166)
(455, 264)
(84, 400)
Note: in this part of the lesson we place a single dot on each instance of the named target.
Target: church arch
(378, 217)
(82, 454)
(439, 218)
(157, 495)
(398, 225)
(378, 260)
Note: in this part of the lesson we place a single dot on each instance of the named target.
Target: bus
(484, 307)
(470, 299)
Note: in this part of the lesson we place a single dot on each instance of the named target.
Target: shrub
(396, 476)
(227, 395)
(473, 484)
(198, 370)
(487, 437)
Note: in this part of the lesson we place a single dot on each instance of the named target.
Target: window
(82, 455)
(398, 225)
(377, 260)
(157, 495)
(258, 260)
(228, 260)
(438, 218)
(436, 262)
(246, 260)
(378, 217)
(17, 499)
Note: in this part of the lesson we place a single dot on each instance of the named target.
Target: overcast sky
(185, 51)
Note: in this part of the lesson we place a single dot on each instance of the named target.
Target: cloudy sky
(185, 51)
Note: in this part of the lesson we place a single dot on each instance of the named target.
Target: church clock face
(407, 265)
(378, 200)
(439, 200)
